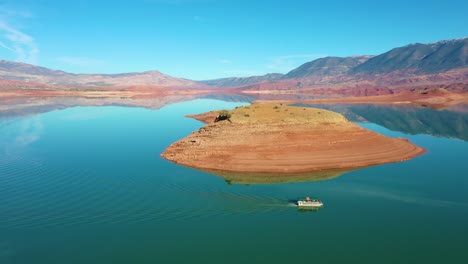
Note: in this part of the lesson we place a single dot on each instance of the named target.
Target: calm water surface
(87, 185)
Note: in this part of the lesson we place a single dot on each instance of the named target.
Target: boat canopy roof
(305, 198)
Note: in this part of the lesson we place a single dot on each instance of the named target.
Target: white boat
(309, 203)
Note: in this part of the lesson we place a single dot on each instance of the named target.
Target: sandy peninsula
(275, 138)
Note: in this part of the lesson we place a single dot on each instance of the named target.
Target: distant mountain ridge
(18, 71)
(423, 63)
(327, 66)
(24, 68)
(417, 58)
(421, 58)
(241, 81)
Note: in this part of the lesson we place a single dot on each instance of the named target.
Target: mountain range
(241, 81)
(421, 58)
(327, 66)
(413, 59)
(18, 71)
(443, 62)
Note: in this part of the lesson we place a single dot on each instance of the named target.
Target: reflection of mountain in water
(407, 119)
(22, 106)
(249, 98)
(410, 120)
(269, 178)
(230, 97)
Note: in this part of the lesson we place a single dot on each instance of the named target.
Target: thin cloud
(12, 39)
(289, 62)
(30, 131)
(3, 45)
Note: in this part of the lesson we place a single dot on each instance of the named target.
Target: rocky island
(276, 138)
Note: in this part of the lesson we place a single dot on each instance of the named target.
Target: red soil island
(274, 138)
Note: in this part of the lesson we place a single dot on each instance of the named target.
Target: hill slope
(240, 81)
(443, 62)
(421, 58)
(18, 71)
(327, 66)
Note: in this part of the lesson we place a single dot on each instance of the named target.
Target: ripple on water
(35, 194)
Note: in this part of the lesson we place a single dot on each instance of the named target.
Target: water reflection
(309, 210)
(451, 123)
(271, 178)
(16, 106)
(11, 107)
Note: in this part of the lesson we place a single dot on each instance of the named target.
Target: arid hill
(275, 138)
(18, 71)
(414, 68)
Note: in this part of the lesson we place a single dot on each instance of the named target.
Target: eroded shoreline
(275, 138)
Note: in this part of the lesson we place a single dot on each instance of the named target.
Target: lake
(84, 182)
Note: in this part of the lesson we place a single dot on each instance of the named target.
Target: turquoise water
(87, 185)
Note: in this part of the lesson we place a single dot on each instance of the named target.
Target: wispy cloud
(12, 39)
(30, 131)
(81, 61)
(5, 46)
(289, 62)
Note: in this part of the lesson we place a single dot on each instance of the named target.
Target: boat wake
(36, 194)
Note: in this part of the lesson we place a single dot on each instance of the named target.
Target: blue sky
(205, 39)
